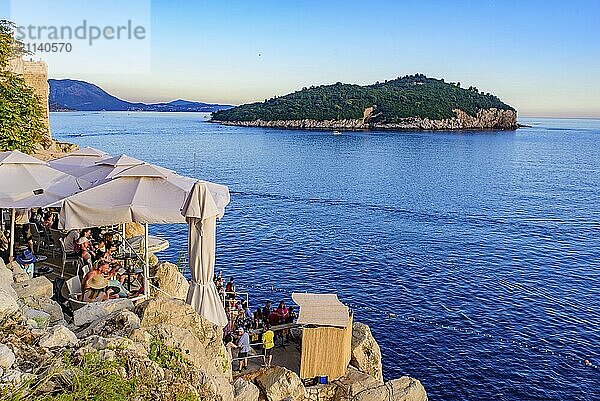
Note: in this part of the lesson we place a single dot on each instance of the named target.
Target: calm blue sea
(474, 256)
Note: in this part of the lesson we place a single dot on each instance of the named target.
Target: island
(412, 102)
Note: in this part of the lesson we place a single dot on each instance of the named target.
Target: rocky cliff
(484, 119)
(159, 349)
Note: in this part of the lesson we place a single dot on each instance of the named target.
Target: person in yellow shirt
(268, 340)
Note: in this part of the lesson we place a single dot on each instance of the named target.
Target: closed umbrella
(201, 212)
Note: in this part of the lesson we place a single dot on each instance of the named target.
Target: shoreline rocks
(163, 345)
(492, 119)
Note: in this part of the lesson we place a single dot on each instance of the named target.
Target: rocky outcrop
(176, 324)
(98, 310)
(278, 383)
(352, 383)
(402, 389)
(58, 336)
(366, 354)
(169, 280)
(484, 119)
(120, 323)
(245, 390)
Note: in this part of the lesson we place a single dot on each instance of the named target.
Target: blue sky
(542, 57)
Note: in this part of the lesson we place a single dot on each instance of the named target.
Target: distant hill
(70, 94)
(411, 102)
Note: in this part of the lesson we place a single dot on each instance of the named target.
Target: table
(125, 256)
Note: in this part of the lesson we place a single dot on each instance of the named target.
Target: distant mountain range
(73, 95)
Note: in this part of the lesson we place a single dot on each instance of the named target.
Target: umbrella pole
(146, 262)
(11, 252)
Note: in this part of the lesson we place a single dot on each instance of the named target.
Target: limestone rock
(320, 392)
(19, 274)
(402, 389)
(177, 325)
(245, 391)
(58, 336)
(133, 230)
(352, 383)
(366, 354)
(35, 318)
(47, 305)
(7, 357)
(279, 383)
(169, 279)
(95, 311)
(484, 119)
(118, 324)
(120, 344)
(39, 287)
(6, 276)
(8, 302)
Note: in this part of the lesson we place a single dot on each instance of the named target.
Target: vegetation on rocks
(21, 116)
(405, 97)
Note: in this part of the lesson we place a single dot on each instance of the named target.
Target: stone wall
(35, 74)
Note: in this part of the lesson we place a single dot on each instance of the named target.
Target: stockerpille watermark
(82, 37)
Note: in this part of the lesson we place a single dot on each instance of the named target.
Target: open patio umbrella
(201, 212)
(74, 162)
(141, 193)
(27, 182)
(100, 170)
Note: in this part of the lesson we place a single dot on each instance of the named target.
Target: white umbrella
(201, 214)
(74, 162)
(99, 172)
(28, 182)
(142, 193)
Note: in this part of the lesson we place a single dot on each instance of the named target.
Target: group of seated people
(106, 276)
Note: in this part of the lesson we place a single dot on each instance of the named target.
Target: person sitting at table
(85, 250)
(70, 241)
(48, 220)
(100, 268)
(98, 290)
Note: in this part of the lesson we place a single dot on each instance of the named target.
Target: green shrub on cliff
(408, 96)
(21, 117)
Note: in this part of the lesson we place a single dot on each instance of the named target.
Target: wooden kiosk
(326, 335)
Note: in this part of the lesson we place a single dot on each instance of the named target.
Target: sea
(474, 256)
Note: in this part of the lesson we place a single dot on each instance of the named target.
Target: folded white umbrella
(201, 213)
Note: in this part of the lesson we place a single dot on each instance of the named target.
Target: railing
(225, 300)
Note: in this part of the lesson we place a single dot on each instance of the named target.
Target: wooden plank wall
(326, 351)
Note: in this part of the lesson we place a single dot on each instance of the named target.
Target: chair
(49, 243)
(73, 286)
(66, 258)
(35, 236)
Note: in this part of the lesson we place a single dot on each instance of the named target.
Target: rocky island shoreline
(412, 102)
(484, 119)
(159, 348)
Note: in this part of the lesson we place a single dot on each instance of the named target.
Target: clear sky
(542, 57)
